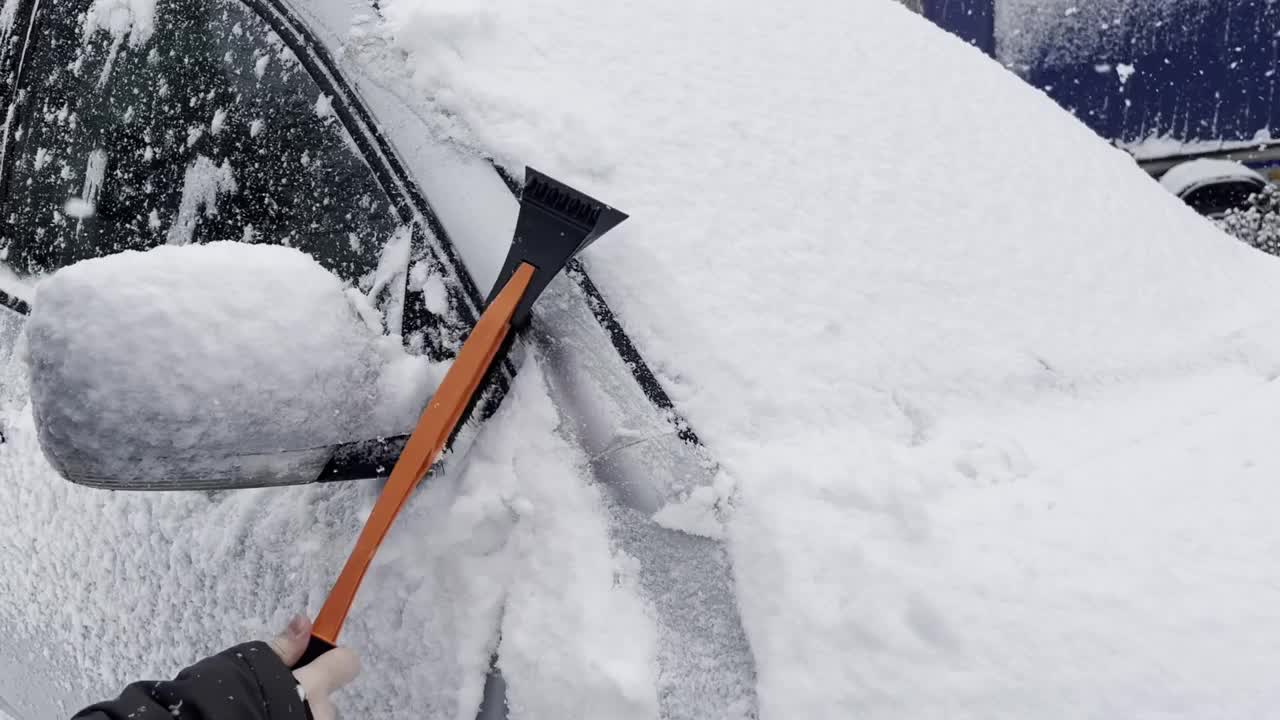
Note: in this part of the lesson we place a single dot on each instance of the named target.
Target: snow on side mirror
(210, 366)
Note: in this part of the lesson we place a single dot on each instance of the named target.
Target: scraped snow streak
(94, 173)
(8, 14)
(133, 20)
(202, 185)
(389, 277)
(1000, 432)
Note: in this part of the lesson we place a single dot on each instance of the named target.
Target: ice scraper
(555, 223)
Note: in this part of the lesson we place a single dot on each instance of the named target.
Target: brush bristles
(563, 200)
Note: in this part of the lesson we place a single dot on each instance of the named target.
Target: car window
(198, 126)
(1217, 198)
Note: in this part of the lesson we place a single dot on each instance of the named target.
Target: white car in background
(1211, 186)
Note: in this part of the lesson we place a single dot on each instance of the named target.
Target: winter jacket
(247, 682)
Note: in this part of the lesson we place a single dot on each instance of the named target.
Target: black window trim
(14, 303)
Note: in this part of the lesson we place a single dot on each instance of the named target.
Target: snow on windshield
(929, 361)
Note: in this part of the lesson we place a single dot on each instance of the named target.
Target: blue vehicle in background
(1171, 81)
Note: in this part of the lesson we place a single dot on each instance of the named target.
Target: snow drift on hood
(887, 282)
(844, 200)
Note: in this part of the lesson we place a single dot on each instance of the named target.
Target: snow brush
(555, 223)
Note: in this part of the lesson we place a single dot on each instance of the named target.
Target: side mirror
(212, 366)
(231, 365)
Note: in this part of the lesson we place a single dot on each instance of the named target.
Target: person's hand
(326, 674)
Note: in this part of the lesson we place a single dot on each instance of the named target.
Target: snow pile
(209, 351)
(930, 286)
(576, 642)
(503, 92)
(906, 343)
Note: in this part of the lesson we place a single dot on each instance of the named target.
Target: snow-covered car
(796, 440)
(1212, 186)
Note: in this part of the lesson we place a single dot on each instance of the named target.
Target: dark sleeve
(247, 682)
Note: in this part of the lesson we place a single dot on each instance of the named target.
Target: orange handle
(437, 423)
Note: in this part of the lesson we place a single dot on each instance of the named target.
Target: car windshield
(198, 126)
